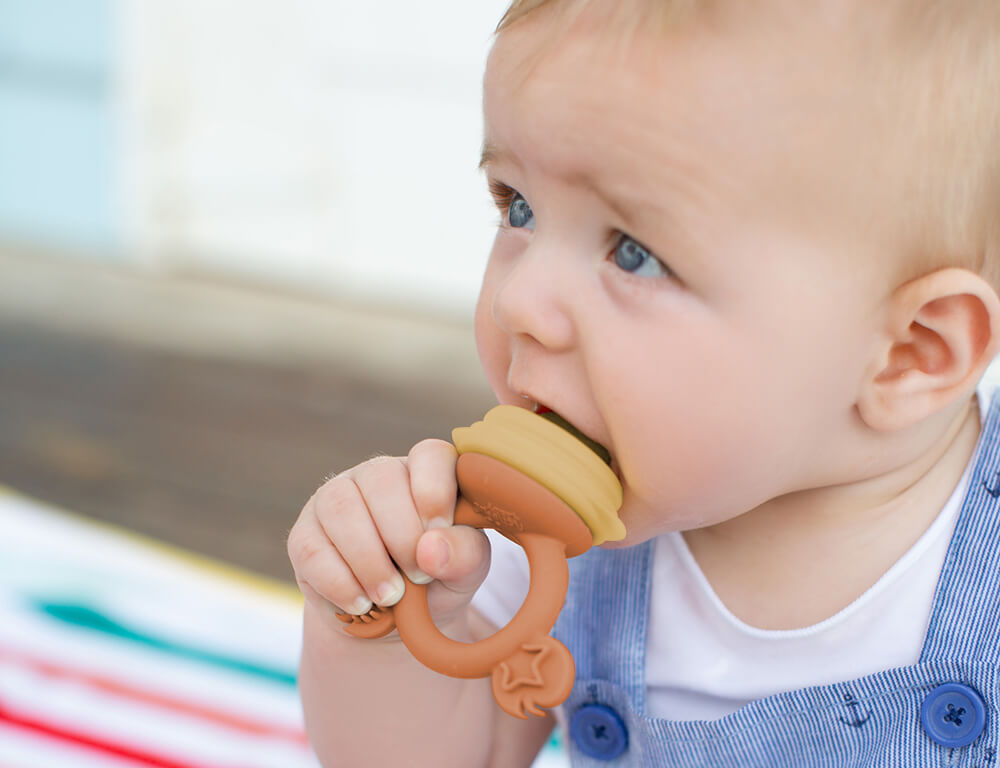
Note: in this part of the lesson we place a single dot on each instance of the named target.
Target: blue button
(598, 732)
(953, 715)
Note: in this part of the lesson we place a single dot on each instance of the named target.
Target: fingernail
(390, 592)
(438, 522)
(419, 577)
(361, 606)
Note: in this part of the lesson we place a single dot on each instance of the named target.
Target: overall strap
(604, 620)
(965, 618)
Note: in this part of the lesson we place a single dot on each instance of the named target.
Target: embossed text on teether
(500, 517)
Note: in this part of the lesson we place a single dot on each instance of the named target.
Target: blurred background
(240, 244)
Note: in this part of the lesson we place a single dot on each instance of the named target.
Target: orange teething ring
(530, 669)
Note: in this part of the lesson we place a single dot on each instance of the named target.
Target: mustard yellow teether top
(553, 457)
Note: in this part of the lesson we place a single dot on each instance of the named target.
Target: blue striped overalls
(941, 711)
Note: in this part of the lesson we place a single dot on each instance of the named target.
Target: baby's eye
(519, 213)
(512, 206)
(633, 257)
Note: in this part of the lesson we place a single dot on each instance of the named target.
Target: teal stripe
(87, 617)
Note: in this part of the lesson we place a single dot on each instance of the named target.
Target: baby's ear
(942, 332)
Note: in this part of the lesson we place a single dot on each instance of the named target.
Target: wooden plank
(213, 456)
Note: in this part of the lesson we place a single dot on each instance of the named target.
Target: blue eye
(633, 257)
(519, 214)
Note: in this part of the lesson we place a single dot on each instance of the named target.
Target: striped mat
(118, 652)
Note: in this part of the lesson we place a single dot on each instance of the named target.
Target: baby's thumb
(458, 557)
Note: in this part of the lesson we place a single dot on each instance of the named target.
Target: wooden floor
(215, 456)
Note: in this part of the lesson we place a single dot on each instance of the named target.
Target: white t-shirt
(702, 662)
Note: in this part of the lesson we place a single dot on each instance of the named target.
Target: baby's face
(689, 268)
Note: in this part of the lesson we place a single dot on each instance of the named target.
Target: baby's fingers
(346, 521)
(320, 570)
(459, 558)
(384, 484)
(431, 464)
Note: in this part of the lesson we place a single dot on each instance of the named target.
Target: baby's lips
(616, 468)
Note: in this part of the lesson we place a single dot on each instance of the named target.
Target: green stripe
(86, 617)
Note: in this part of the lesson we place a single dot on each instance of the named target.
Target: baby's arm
(369, 702)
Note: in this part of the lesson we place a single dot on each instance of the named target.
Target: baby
(752, 249)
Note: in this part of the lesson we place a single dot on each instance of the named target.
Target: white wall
(325, 144)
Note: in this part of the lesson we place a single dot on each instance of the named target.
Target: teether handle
(529, 668)
(495, 495)
(549, 581)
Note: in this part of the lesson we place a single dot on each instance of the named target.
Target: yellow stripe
(216, 568)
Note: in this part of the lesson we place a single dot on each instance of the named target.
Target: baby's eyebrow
(490, 155)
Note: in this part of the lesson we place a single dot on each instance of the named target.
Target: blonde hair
(631, 14)
(517, 9)
(942, 94)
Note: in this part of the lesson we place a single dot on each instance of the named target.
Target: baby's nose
(535, 300)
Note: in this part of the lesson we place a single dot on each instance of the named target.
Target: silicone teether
(546, 490)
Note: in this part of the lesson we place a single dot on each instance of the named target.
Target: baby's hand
(387, 515)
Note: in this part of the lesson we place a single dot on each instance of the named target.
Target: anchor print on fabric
(993, 490)
(855, 721)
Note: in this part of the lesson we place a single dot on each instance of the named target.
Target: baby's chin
(641, 523)
(623, 544)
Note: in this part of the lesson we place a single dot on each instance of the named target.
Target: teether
(550, 492)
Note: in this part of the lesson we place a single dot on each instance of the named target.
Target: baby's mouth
(547, 413)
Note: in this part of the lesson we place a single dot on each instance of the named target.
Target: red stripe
(118, 688)
(79, 738)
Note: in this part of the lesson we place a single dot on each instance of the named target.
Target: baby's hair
(516, 10)
(949, 75)
(628, 13)
(937, 113)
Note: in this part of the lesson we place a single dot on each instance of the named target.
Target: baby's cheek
(672, 489)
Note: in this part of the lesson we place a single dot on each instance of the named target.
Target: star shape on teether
(529, 661)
